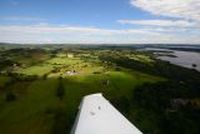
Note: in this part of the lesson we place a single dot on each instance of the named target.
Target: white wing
(97, 116)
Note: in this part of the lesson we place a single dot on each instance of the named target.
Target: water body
(181, 58)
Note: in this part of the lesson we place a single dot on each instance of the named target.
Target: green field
(28, 114)
(36, 105)
(48, 103)
(63, 61)
(39, 70)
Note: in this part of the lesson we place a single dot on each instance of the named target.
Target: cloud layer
(70, 34)
(22, 18)
(161, 23)
(186, 9)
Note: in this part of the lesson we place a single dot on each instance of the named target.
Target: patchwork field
(43, 98)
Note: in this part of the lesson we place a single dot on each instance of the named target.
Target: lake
(181, 58)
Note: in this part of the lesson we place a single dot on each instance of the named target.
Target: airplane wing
(98, 116)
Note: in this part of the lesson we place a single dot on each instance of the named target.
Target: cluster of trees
(156, 100)
(150, 107)
(5, 63)
(10, 94)
(159, 68)
(22, 77)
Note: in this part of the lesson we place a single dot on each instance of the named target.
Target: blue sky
(100, 21)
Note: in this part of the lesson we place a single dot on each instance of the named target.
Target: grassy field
(27, 114)
(37, 109)
(48, 103)
(38, 70)
(140, 57)
(63, 61)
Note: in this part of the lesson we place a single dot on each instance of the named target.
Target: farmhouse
(70, 73)
(70, 55)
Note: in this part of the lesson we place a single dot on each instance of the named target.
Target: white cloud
(182, 24)
(161, 23)
(64, 29)
(44, 33)
(67, 34)
(22, 18)
(186, 9)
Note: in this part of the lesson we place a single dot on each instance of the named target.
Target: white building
(70, 55)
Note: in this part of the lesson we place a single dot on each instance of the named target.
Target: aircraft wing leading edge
(98, 116)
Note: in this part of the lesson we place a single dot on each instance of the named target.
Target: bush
(45, 76)
(60, 92)
(10, 96)
(96, 72)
